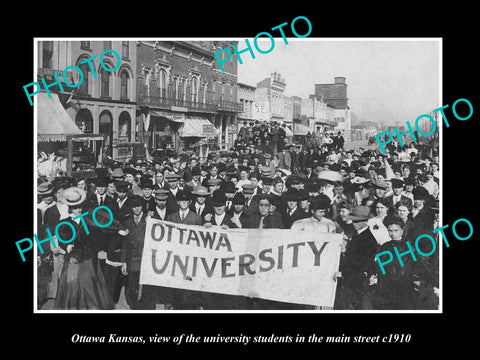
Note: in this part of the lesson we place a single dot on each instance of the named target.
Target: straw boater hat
(330, 176)
(72, 196)
(201, 191)
(45, 188)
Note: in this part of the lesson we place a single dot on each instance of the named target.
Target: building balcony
(165, 102)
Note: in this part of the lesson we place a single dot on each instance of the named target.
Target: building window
(105, 79)
(85, 45)
(83, 88)
(194, 90)
(124, 86)
(107, 45)
(47, 54)
(147, 77)
(125, 49)
(124, 127)
(163, 84)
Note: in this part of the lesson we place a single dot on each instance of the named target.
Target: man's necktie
(182, 216)
(260, 226)
(199, 210)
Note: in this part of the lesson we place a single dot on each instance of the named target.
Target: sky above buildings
(389, 81)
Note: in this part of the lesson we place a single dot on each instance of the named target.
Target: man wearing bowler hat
(139, 297)
(292, 212)
(121, 209)
(195, 182)
(148, 200)
(220, 217)
(357, 264)
(239, 217)
(184, 299)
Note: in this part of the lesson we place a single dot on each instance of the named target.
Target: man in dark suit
(160, 210)
(172, 204)
(397, 188)
(160, 182)
(185, 299)
(137, 296)
(357, 264)
(121, 209)
(100, 198)
(292, 212)
(194, 181)
(423, 216)
(220, 217)
(251, 204)
(264, 218)
(239, 217)
(213, 169)
(199, 206)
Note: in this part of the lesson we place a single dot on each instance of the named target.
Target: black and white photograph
(194, 182)
(218, 185)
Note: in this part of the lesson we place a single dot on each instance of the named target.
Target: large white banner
(281, 265)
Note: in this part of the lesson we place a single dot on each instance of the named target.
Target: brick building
(104, 103)
(182, 96)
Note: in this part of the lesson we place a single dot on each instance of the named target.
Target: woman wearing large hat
(82, 284)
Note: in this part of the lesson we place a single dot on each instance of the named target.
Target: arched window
(194, 90)
(105, 79)
(124, 127)
(84, 121)
(105, 127)
(83, 88)
(124, 85)
(163, 84)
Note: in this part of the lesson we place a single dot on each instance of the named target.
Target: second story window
(163, 84)
(125, 49)
(47, 54)
(83, 88)
(105, 79)
(85, 45)
(124, 86)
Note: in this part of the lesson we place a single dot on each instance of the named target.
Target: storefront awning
(53, 122)
(180, 118)
(288, 132)
(194, 126)
(299, 129)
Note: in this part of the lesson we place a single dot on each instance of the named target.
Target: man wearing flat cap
(160, 210)
(380, 188)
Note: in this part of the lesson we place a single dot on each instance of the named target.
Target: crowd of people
(376, 201)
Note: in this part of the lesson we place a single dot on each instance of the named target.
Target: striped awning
(193, 126)
(53, 122)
